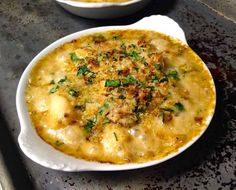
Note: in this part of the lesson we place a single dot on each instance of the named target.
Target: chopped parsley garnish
(134, 55)
(128, 80)
(157, 66)
(106, 121)
(80, 107)
(89, 125)
(123, 55)
(103, 108)
(83, 70)
(143, 61)
(91, 78)
(173, 74)
(54, 89)
(58, 143)
(112, 83)
(74, 57)
(164, 79)
(131, 80)
(167, 109)
(90, 81)
(123, 46)
(73, 92)
(62, 80)
(179, 107)
(115, 135)
(140, 109)
(136, 69)
(154, 78)
(116, 37)
(162, 115)
(52, 82)
(149, 96)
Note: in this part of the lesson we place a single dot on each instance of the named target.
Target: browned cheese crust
(121, 96)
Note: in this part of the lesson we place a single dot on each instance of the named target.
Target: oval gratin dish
(44, 154)
(103, 10)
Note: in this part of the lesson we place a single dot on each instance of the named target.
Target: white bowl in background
(44, 154)
(103, 10)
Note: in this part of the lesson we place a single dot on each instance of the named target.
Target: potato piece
(71, 135)
(114, 142)
(60, 111)
(38, 99)
(91, 150)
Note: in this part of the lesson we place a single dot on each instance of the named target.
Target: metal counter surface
(26, 27)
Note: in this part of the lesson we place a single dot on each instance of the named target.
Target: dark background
(26, 27)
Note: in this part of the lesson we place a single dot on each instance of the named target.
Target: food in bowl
(120, 96)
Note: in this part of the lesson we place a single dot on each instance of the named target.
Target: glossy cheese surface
(121, 96)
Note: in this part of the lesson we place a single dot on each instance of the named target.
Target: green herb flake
(179, 107)
(52, 82)
(164, 79)
(73, 92)
(134, 55)
(61, 81)
(106, 121)
(116, 37)
(131, 80)
(83, 70)
(167, 109)
(54, 89)
(173, 74)
(58, 143)
(144, 62)
(123, 54)
(80, 107)
(73, 57)
(157, 66)
(136, 69)
(115, 135)
(112, 83)
(149, 97)
(154, 78)
(90, 81)
(103, 108)
(89, 125)
(123, 46)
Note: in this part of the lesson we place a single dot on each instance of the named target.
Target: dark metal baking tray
(26, 27)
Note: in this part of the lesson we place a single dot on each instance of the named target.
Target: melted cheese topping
(122, 96)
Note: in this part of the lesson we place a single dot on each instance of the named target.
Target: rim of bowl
(98, 4)
(26, 124)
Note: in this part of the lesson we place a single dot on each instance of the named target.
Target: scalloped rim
(45, 154)
(97, 5)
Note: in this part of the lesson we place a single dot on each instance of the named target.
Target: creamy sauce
(126, 96)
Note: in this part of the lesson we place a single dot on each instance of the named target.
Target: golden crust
(122, 96)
